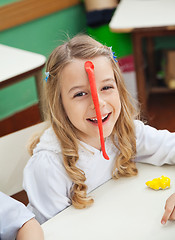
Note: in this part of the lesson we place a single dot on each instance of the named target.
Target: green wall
(121, 42)
(5, 2)
(40, 36)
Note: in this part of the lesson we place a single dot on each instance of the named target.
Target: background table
(144, 19)
(123, 209)
(17, 64)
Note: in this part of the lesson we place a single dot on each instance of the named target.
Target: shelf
(161, 90)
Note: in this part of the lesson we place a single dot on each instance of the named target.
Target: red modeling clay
(89, 67)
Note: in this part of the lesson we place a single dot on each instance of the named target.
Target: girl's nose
(100, 100)
(92, 106)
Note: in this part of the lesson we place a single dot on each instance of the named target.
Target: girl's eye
(80, 94)
(107, 88)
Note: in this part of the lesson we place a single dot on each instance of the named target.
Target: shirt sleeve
(47, 185)
(13, 215)
(154, 146)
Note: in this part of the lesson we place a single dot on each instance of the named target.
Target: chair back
(13, 158)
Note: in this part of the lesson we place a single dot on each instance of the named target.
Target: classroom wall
(5, 2)
(40, 36)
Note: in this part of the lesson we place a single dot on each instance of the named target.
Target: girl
(67, 162)
(17, 222)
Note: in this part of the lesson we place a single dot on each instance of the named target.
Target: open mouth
(104, 119)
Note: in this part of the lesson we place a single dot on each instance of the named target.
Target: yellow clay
(159, 183)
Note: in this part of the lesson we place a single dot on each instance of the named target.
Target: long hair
(85, 47)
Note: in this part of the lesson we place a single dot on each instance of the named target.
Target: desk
(123, 209)
(144, 19)
(17, 64)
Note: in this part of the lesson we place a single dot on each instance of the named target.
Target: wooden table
(144, 19)
(123, 209)
(17, 65)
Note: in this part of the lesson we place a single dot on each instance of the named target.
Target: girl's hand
(169, 213)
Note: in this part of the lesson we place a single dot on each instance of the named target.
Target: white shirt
(13, 215)
(48, 185)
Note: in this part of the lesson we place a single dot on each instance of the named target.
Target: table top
(139, 14)
(123, 209)
(15, 62)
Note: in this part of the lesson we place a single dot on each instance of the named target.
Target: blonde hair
(85, 47)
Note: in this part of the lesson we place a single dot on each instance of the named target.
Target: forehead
(74, 72)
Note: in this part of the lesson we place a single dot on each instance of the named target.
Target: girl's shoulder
(142, 129)
(46, 161)
(48, 142)
(138, 123)
(47, 155)
(140, 126)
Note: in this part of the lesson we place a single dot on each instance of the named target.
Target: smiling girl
(67, 161)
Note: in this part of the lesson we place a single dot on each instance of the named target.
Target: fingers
(169, 213)
(172, 216)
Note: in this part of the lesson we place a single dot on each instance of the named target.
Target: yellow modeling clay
(159, 183)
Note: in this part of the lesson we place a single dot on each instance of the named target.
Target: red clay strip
(89, 67)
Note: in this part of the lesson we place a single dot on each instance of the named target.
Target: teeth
(104, 116)
(95, 119)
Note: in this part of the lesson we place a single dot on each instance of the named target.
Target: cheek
(116, 99)
(67, 107)
(118, 103)
(117, 106)
(74, 111)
